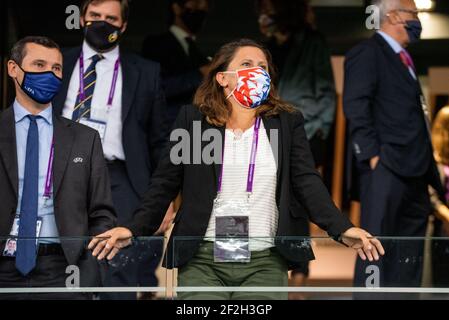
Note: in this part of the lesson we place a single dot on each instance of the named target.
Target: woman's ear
(221, 79)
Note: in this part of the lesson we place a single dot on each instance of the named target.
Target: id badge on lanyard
(98, 116)
(232, 216)
(11, 242)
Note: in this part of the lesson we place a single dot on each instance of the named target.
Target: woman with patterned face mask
(238, 207)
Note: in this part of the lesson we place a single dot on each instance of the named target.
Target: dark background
(228, 19)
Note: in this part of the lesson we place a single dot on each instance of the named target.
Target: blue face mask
(414, 30)
(42, 87)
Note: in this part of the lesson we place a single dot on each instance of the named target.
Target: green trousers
(266, 269)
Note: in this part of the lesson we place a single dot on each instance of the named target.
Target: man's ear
(394, 19)
(82, 21)
(12, 69)
(125, 25)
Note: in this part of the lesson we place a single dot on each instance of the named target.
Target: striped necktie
(82, 107)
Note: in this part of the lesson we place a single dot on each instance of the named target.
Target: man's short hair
(124, 5)
(386, 6)
(18, 51)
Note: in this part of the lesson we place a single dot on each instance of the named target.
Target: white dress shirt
(45, 209)
(181, 36)
(263, 214)
(112, 143)
(397, 48)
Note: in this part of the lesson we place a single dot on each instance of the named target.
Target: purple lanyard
(252, 161)
(114, 80)
(49, 178)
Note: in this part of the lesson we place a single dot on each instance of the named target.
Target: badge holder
(11, 243)
(231, 231)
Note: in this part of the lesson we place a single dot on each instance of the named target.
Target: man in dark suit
(53, 179)
(388, 125)
(121, 97)
(183, 65)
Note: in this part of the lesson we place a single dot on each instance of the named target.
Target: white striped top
(263, 213)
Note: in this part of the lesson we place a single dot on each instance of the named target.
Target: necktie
(82, 107)
(406, 59)
(446, 173)
(26, 248)
(195, 55)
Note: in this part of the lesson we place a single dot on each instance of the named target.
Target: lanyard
(113, 84)
(252, 161)
(49, 178)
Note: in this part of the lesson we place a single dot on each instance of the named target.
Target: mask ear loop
(233, 90)
(24, 75)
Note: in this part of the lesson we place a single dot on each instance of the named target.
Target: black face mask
(194, 19)
(270, 22)
(101, 35)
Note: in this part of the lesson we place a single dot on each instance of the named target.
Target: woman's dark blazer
(296, 179)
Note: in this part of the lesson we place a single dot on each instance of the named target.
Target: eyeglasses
(414, 13)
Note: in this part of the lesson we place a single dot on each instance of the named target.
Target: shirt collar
(20, 112)
(179, 33)
(392, 42)
(89, 52)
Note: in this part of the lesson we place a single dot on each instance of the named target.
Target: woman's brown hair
(440, 136)
(210, 98)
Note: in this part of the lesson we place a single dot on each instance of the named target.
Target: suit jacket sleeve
(308, 186)
(359, 92)
(100, 206)
(165, 185)
(158, 123)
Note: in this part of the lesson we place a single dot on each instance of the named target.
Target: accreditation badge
(231, 231)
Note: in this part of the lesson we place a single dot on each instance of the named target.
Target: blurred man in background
(390, 140)
(183, 65)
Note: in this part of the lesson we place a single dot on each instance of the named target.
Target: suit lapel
(8, 150)
(217, 166)
(70, 60)
(273, 128)
(63, 137)
(179, 50)
(395, 60)
(130, 75)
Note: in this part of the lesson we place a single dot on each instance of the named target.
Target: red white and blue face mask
(253, 87)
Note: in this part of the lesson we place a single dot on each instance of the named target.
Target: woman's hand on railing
(365, 244)
(109, 243)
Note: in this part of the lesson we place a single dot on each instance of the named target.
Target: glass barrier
(226, 269)
(320, 268)
(65, 268)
